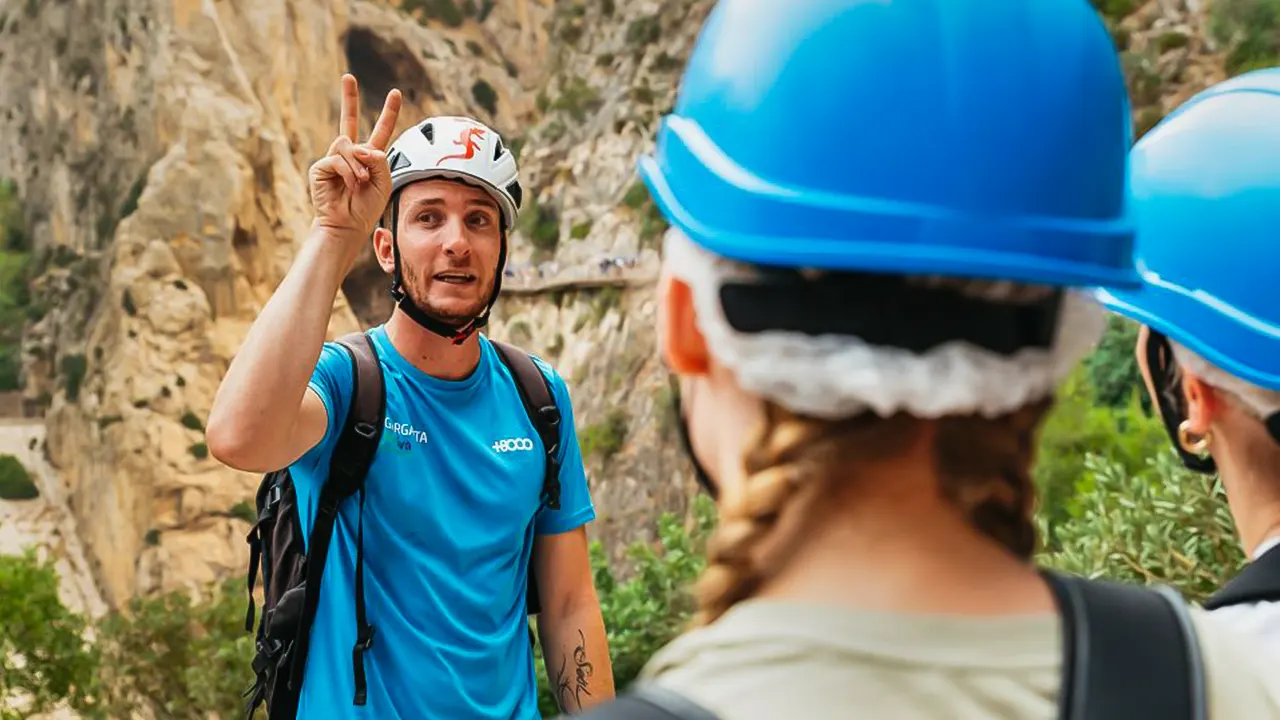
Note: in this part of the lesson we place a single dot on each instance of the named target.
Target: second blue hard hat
(1206, 194)
(979, 137)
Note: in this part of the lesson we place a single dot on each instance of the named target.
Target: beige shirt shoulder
(769, 659)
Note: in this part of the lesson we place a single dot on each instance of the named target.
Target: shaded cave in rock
(367, 289)
(379, 65)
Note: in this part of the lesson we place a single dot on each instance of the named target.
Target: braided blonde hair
(983, 465)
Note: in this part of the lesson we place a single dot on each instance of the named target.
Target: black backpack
(1259, 581)
(291, 577)
(1128, 652)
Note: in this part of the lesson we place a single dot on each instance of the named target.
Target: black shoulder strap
(352, 455)
(1128, 652)
(540, 404)
(648, 702)
(1259, 581)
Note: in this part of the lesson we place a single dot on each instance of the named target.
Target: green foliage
(651, 608)
(1113, 366)
(1080, 426)
(637, 195)
(652, 223)
(1251, 29)
(578, 99)
(607, 299)
(1146, 119)
(74, 368)
(541, 224)
(580, 230)
(485, 96)
(15, 278)
(1161, 524)
(191, 422)
(244, 511)
(56, 664)
(187, 660)
(1172, 40)
(16, 482)
(604, 439)
(1144, 81)
(643, 32)
(1115, 10)
(199, 450)
(184, 658)
(446, 11)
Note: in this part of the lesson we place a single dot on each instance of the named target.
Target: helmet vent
(497, 149)
(399, 160)
(516, 192)
(429, 131)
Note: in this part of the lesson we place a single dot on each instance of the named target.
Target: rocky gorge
(160, 149)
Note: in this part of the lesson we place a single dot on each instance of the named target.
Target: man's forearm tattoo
(572, 685)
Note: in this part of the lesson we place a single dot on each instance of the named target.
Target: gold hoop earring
(1200, 445)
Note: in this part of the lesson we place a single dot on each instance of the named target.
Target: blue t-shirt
(451, 507)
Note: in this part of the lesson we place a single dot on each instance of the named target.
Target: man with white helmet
(436, 543)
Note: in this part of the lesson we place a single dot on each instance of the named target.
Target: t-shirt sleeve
(576, 507)
(331, 381)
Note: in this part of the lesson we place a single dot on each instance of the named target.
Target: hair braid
(984, 467)
(789, 458)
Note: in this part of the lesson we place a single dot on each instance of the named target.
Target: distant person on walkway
(877, 277)
(453, 506)
(1206, 185)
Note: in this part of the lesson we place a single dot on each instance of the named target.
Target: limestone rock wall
(161, 147)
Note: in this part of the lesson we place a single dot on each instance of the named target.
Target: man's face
(450, 238)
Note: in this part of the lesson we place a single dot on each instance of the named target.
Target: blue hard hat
(982, 138)
(1206, 199)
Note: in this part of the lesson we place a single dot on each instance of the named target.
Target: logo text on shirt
(406, 431)
(513, 445)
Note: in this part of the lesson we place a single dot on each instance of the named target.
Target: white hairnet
(834, 376)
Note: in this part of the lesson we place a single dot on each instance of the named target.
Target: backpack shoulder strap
(1128, 652)
(540, 404)
(1259, 581)
(649, 702)
(352, 455)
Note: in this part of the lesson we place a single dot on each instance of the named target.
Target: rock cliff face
(161, 149)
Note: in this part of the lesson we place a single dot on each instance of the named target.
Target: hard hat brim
(1186, 315)
(749, 219)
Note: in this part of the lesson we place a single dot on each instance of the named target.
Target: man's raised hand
(351, 184)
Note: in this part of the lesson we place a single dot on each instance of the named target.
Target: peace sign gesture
(350, 185)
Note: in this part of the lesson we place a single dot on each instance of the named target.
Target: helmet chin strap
(457, 333)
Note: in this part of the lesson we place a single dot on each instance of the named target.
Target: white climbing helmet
(459, 148)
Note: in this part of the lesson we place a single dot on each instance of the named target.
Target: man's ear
(684, 348)
(382, 248)
(1204, 404)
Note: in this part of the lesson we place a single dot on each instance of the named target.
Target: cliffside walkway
(538, 286)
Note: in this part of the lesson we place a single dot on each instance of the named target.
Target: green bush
(443, 10)
(604, 439)
(57, 664)
(74, 368)
(1251, 31)
(16, 482)
(188, 659)
(15, 277)
(485, 96)
(651, 608)
(1162, 524)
